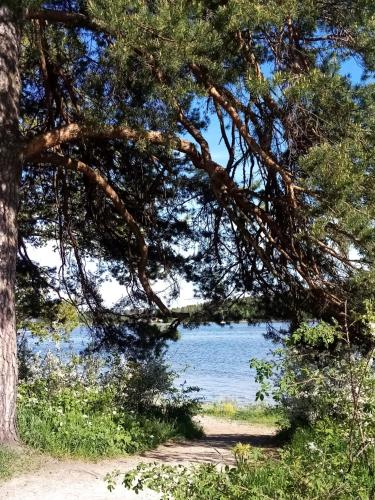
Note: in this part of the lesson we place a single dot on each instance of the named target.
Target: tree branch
(75, 131)
(101, 182)
(70, 19)
(253, 145)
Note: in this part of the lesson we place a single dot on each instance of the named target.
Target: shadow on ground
(214, 448)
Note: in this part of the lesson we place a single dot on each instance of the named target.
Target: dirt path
(78, 480)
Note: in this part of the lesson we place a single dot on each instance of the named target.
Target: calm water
(216, 359)
(212, 357)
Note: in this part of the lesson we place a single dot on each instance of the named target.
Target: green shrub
(313, 466)
(82, 408)
(327, 388)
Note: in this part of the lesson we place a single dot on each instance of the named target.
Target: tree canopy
(109, 111)
(118, 106)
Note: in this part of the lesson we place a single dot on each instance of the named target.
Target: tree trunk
(10, 162)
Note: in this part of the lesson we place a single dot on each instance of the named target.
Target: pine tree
(9, 177)
(111, 134)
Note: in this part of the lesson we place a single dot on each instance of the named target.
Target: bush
(85, 407)
(147, 386)
(327, 388)
(314, 465)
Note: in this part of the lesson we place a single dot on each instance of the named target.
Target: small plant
(245, 455)
(229, 409)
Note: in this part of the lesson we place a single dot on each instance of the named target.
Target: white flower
(312, 446)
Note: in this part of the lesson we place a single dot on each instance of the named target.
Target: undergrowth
(76, 409)
(326, 387)
(312, 466)
(254, 414)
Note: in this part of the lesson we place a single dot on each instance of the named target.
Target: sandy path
(78, 480)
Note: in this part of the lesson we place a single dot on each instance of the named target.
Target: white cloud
(111, 290)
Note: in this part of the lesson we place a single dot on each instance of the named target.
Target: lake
(212, 357)
(216, 359)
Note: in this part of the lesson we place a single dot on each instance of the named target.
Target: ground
(78, 480)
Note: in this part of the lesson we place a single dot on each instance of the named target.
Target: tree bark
(10, 162)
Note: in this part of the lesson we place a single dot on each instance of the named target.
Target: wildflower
(312, 446)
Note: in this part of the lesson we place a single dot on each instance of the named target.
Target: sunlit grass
(255, 414)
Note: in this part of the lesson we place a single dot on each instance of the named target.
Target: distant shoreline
(245, 322)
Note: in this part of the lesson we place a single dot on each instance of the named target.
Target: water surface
(212, 357)
(216, 359)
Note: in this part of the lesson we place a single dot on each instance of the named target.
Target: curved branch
(75, 131)
(101, 182)
(71, 19)
(222, 183)
(224, 187)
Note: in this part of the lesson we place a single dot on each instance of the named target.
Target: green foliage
(327, 390)
(263, 371)
(76, 409)
(317, 335)
(270, 78)
(313, 465)
(249, 309)
(319, 374)
(54, 319)
(254, 414)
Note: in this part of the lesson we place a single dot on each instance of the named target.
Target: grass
(84, 422)
(7, 461)
(101, 436)
(19, 460)
(253, 414)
